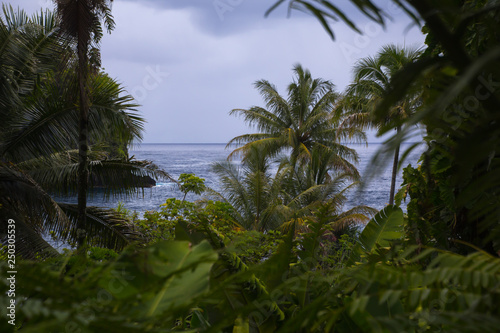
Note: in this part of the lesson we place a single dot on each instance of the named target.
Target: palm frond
(105, 227)
(30, 244)
(22, 195)
(49, 122)
(385, 227)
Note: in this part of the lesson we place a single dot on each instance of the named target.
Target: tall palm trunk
(394, 172)
(83, 172)
(78, 19)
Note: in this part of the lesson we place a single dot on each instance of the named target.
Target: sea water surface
(198, 159)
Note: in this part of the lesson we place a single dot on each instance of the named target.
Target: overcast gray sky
(190, 62)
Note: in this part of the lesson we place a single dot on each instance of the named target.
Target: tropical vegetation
(372, 80)
(274, 254)
(307, 120)
(39, 139)
(297, 160)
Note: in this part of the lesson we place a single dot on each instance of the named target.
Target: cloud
(218, 17)
(188, 68)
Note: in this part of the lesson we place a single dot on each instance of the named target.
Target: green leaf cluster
(190, 183)
(157, 285)
(184, 285)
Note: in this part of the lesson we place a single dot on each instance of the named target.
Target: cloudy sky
(190, 62)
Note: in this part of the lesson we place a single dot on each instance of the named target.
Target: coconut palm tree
(250, 189)
(372, 77)
(80, 20)
(305, 126)
(265, 201)
(39, 137)
(305, 187)
(39, 159)
(304, 121)
(26, 48)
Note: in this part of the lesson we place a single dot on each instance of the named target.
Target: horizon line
(221, 143)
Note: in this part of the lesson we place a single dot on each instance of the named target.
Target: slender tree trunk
(394, 172)
(257, 205)
(83, 172)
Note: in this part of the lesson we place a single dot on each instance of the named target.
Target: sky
(188, 63)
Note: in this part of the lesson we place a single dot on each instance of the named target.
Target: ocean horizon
(197, 158)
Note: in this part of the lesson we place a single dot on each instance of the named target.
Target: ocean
(198, 158)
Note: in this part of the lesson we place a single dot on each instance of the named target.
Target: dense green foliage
(273, 255)
(185, 285)
(457, 76)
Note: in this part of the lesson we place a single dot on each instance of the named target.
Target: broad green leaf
(166, 275)
(188, 273)
(383, 228)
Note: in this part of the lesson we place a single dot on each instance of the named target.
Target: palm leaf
(105, 227)
(381, 230)
(30, 244)
(23, 197)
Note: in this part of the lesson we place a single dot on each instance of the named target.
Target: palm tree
(304, 121)
(263, 201)
(38, 160)
(250, 189)
(26, 51)
(81, 21)
(304, 188)
(305, 125)
(372, 76)
(39, 136)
